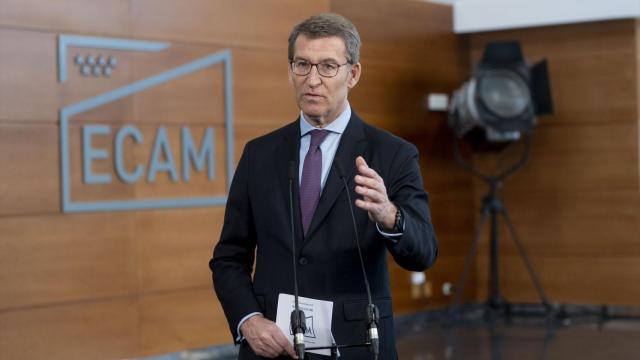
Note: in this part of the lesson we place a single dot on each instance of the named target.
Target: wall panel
(264, 96)
(62, 258)
(251, 23)
(85, 330)
(573, 160)
(589, 225)
(27, 75)
(87, 16)
(182, 320)
(173, 247)
(29, 156)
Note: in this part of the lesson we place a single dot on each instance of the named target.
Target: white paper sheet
(318, 318)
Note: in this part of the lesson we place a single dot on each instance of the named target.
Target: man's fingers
(266, 338)
(370, 186)
(285, 344)
(370, 194)
(262, 349)
(289, 350)
(365, 170)
(369, 172)
(279, 343)
(367, 205)
(371, 189)
(370, 183)
(266, 346)
(362, 204)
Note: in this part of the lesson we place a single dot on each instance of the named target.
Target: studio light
(497, 107)
(502, 99)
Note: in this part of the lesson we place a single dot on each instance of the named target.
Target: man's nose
(314, 76)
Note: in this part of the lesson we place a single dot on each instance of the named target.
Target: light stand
(492, 208)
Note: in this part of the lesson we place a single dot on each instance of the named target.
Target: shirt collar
(337, 126)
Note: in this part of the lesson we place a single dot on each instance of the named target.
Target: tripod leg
(548, 339)
(459, 289)
(523, 253)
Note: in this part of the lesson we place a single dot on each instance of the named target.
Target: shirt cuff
(394, 237)
(240, 336)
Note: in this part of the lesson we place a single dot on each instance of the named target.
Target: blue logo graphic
(103, 67)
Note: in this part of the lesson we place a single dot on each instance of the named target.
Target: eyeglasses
(303, 68)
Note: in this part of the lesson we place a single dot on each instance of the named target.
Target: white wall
(487, 15)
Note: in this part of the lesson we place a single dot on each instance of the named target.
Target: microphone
(298, 321)
(373, 316)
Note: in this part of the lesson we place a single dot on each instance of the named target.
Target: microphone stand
(298, 320)
(373, 315)
(298, 323)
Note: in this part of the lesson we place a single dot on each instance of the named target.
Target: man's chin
(314, 112)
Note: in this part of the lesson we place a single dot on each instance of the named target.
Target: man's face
(322, 99)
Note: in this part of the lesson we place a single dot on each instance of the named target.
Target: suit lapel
(289, 150)
(352, 144)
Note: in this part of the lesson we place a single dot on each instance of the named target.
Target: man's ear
(354, 75)
(290, 73)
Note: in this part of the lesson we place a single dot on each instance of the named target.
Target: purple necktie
(311, 174)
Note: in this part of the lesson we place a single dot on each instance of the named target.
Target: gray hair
(328, 25)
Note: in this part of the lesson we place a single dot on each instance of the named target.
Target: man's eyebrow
(323, 61)
(329, 60)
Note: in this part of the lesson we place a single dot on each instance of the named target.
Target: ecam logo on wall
(113, 162)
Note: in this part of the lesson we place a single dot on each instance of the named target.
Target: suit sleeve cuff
(240, 337)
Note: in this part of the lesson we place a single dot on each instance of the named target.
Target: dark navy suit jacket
(257, 228)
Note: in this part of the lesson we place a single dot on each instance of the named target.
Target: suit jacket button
(303, 261)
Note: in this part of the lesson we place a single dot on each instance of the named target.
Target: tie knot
(317, 137)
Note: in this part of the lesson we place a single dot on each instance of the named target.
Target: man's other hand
(374, 196)
(265, 338)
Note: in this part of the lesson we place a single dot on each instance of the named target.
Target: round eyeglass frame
(317, 69)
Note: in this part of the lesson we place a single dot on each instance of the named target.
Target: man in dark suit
(383, 174)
